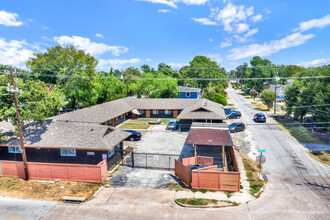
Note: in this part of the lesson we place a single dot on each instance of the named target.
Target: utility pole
(19, 124)
(255, 86)
(275, 89)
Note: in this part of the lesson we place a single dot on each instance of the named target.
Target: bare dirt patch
(46, 190)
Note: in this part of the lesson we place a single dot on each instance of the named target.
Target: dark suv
(237, 126)
(259, 117)
(136, 136)
(234, 114)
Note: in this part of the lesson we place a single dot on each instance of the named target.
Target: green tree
(202, 67)
(109, 88)
(155, 85)
(36, 101)
(221, 99)
(55, 65)
(216, 94)
(131, 75)
(268, 96)
(145, 68)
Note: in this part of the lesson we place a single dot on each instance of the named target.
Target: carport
(213, 140)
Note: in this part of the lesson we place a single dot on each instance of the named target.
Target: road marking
(2, 216)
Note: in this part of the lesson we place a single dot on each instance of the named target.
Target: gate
(151, 161)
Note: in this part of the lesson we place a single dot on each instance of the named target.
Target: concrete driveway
(141, 178)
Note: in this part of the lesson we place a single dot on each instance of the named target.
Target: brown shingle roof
(209, 136)
(109, 110)
(70, 135)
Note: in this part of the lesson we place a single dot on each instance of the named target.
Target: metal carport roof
(209, 136)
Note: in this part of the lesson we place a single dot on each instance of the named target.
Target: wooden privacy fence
(54, 171)
(215, 180)
(182, 172)
(197, 160)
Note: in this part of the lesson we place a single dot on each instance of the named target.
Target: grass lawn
(140, 123)
(166, 120)
(252, 173)
(198, 201)
(300, 133)
(321, 156)
(247, 96)
(33, 189)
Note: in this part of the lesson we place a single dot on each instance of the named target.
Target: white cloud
(164, 2)
(177, 66)
(231, 15)
(216, 57)
(164, 11)
(90, 47)
(314, 63)
(257, 18)
(267, 11)
(193, 2)
(9, 19)
(173, 3)
(242, 27)
(116, 63)
(211, 39)
(227, 43)
(204, 21)
(148, 59)
(314, 23)
(99, 35)
(13, 52)
(269, 48)
(245, 37)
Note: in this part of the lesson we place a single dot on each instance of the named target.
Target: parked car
(247, 91)
(237, 126)
(228, 110)
(234, 114)
(259, 117)
(172, 125)
(136, 136)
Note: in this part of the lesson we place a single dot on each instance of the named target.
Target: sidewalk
(237, 197)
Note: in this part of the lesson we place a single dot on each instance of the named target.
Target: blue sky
(121, 33)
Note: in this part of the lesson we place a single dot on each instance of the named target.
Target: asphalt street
(14, 208)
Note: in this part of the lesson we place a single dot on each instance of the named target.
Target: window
(167, 112)
(188, 94)
(15, 150)
(155, 112)
(121, 116)
(141, 112)
(116, 118)
(111, 153)
(68, 152)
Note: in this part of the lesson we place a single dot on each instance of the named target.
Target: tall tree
(200, 68)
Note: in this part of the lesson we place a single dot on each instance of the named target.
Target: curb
(203, 206)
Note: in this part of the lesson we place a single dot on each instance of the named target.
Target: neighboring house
(189, 93)
(66, 142)
(114, 112)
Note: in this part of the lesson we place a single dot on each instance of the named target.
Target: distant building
(189, 93)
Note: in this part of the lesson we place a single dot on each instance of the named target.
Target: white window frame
(188, 94)
(14, 150)
(68, 152)
(167, 112)
(155, 112)
(111, 152)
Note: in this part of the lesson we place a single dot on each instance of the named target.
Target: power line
(170, 78)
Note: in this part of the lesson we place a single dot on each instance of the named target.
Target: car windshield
(171, 122)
